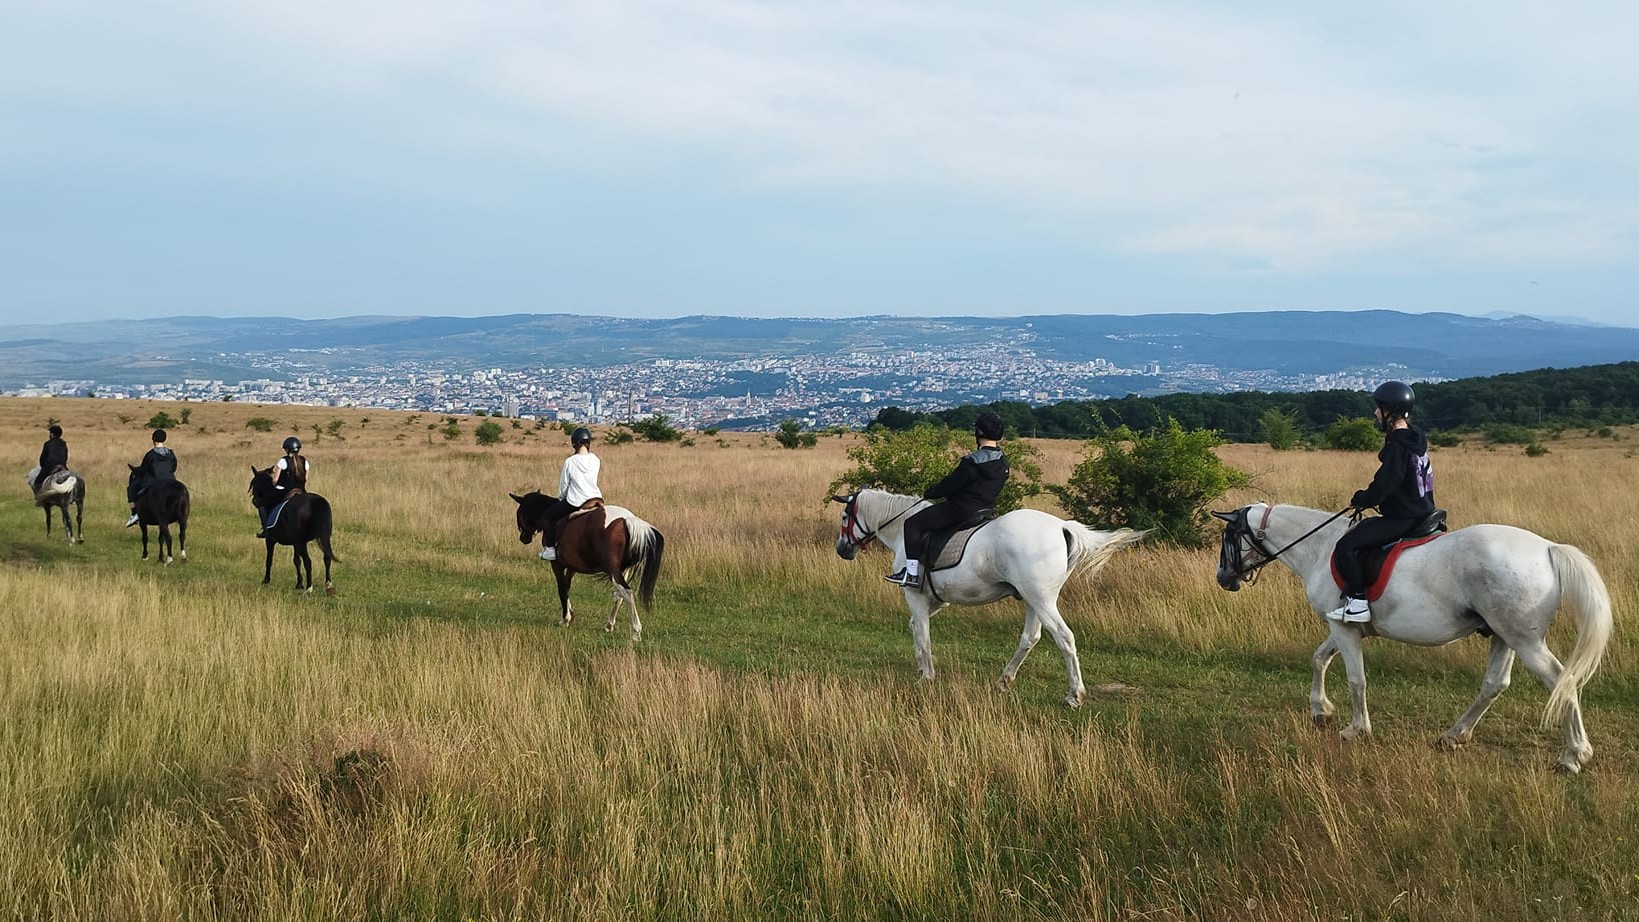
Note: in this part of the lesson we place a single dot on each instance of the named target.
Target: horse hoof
(1005, 683)
(330, 590)
(608, 629)
(1567, 767)
(1072, 701)
(1321, 721)
(1448, 744)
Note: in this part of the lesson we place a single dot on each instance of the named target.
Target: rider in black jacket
(1402, 491)
(53, 454)
(158, 464)
(967, 491)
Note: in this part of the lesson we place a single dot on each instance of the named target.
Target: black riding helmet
(989, 425)
(159, 436)
(1395, 397)
(293, 445)
(581, 436)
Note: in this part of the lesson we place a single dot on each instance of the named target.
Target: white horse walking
(1493, 579)
(1025, 553)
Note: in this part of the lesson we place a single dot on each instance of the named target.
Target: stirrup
(905, 578)
(548, 553)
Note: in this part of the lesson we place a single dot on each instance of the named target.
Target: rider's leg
(1362, 537)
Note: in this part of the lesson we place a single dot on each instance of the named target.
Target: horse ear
(133, 467)
(516, 498)
(839, 499)
(1226, 516)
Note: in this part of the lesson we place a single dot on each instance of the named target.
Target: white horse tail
(1584, 588)
(645, 546)
(1091, 550)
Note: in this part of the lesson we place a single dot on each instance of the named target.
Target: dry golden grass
(182, 743)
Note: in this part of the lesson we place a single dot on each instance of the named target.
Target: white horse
(1493, 579)
(1025, 553)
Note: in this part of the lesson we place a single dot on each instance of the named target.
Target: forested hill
(1592, 395)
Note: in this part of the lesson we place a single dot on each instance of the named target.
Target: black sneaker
(905, 578)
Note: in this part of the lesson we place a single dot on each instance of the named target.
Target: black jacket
(53, 454)
(159, 464)
(976, 482)
(1404, 485)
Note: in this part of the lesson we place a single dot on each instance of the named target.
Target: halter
(849, 531)
(1230, 555)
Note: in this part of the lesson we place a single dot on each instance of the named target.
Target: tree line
(1591, 395)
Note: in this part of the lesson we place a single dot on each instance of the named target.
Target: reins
(1249, 573)
(868, 537)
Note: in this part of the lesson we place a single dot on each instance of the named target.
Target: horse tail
(1582, 586)
(322, 525)
(645, 545)
(1090, 550)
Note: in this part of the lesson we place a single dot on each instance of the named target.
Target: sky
(815, 158)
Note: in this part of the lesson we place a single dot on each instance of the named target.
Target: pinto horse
(605, 541)
(1026, 553)
(305, 517)
(161, 503)
(59, 489)
(1496, 580)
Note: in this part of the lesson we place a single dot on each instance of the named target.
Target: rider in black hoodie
(1402, 492)
(967, 491)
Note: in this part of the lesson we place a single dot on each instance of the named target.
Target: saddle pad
(950, 553)
(273, 518)
(1381, 580)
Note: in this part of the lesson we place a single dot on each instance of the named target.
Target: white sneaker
(132, 520)
(1352, 611)
(548, 553)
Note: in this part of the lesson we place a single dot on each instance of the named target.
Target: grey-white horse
(1494, 579)
(1025, 553)
(59, 489)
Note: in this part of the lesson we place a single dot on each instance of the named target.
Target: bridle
(852, 530)
(1230, 558)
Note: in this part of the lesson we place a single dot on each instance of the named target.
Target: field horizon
(183, 742)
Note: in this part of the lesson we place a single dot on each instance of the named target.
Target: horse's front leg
(1348, 640)
(1498, 673)
(921, 643)
(1027, 642)
(144, 527)
(565, 576)
(267, 568)
(1320, 706)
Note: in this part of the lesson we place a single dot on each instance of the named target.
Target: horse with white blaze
(1026, 553)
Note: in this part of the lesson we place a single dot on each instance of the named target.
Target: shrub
(488, 432)
(1509, 434)
(791, 435)
(709, 430)
(1444, 439)
(1165, 479)
(1280, 430)
(1358, 434)
(1535, 450)
(259, 423)
(619, 435)
(914, 459)
(452, 429)
(657, 428)
(162, 420)
(184, 414)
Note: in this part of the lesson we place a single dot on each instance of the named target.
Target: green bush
(1509, 434)
(1535, 450)
(488, 432)
(184, 414)
(914, 459)
(1280, 429)
(1358, 434)
(1444, 439)
(452, 429)
(260, 424)
(791, 435)
(657, 428)
(619, 435)
(1165, 479)
(162, 420)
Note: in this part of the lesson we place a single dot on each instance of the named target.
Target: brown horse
(606, 541)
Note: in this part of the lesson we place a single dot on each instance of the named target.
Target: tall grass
(183, 743)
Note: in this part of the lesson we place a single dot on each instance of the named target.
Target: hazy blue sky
(322, 158)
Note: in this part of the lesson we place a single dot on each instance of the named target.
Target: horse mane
(877, 504)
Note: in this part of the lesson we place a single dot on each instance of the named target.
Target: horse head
(529, 515)
(850, 538)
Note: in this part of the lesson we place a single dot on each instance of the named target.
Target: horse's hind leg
(165, 544)
(300, 558)
(1320, 706)
(1054, 624)
(623, 595)
(1027, 642)
(1498, 673)
(1543, 664)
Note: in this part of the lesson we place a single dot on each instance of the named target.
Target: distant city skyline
(643, 158)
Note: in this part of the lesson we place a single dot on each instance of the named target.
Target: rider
(53, 454)
(970, 489)
(577, 483)
(290, 475)
(158, 464)
(1402, 491)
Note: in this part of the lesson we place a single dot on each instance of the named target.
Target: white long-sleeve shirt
(579, 480)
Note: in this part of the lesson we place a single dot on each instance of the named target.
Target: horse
(160, 504)
(1026, 553)
(608, 542)
(58, 490)
(305, 517)
(1503, 582)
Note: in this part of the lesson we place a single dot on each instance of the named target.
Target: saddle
(59, 481)
(1378, 562)
(944, 549)
(595, 502)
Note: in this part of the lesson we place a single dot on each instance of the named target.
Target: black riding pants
(931, 519)
(1367, 534)
(554, 514)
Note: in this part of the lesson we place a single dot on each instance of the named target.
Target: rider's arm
(1390, 474)
(953, 483)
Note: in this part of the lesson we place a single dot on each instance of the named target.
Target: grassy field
(184, 742)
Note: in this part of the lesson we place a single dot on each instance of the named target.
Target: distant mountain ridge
(1433, 345)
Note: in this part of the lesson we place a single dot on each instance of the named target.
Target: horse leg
(1053, 622)
(1027, 642)
(182, 537)
(1320, 706)
(144, 527)
(622, 593)
(298, 556)
(1348, 641)
(267, 568)
(1543, 664)
(565, 576)
(67, 528)
(79, 515)
(1498, 673)
(921, 643)
(165, 544)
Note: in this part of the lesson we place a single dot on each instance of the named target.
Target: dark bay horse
(57, 491)
(161, 503)
(606, 541)
(304, 517)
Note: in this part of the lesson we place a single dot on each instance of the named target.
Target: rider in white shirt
(577, 483)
